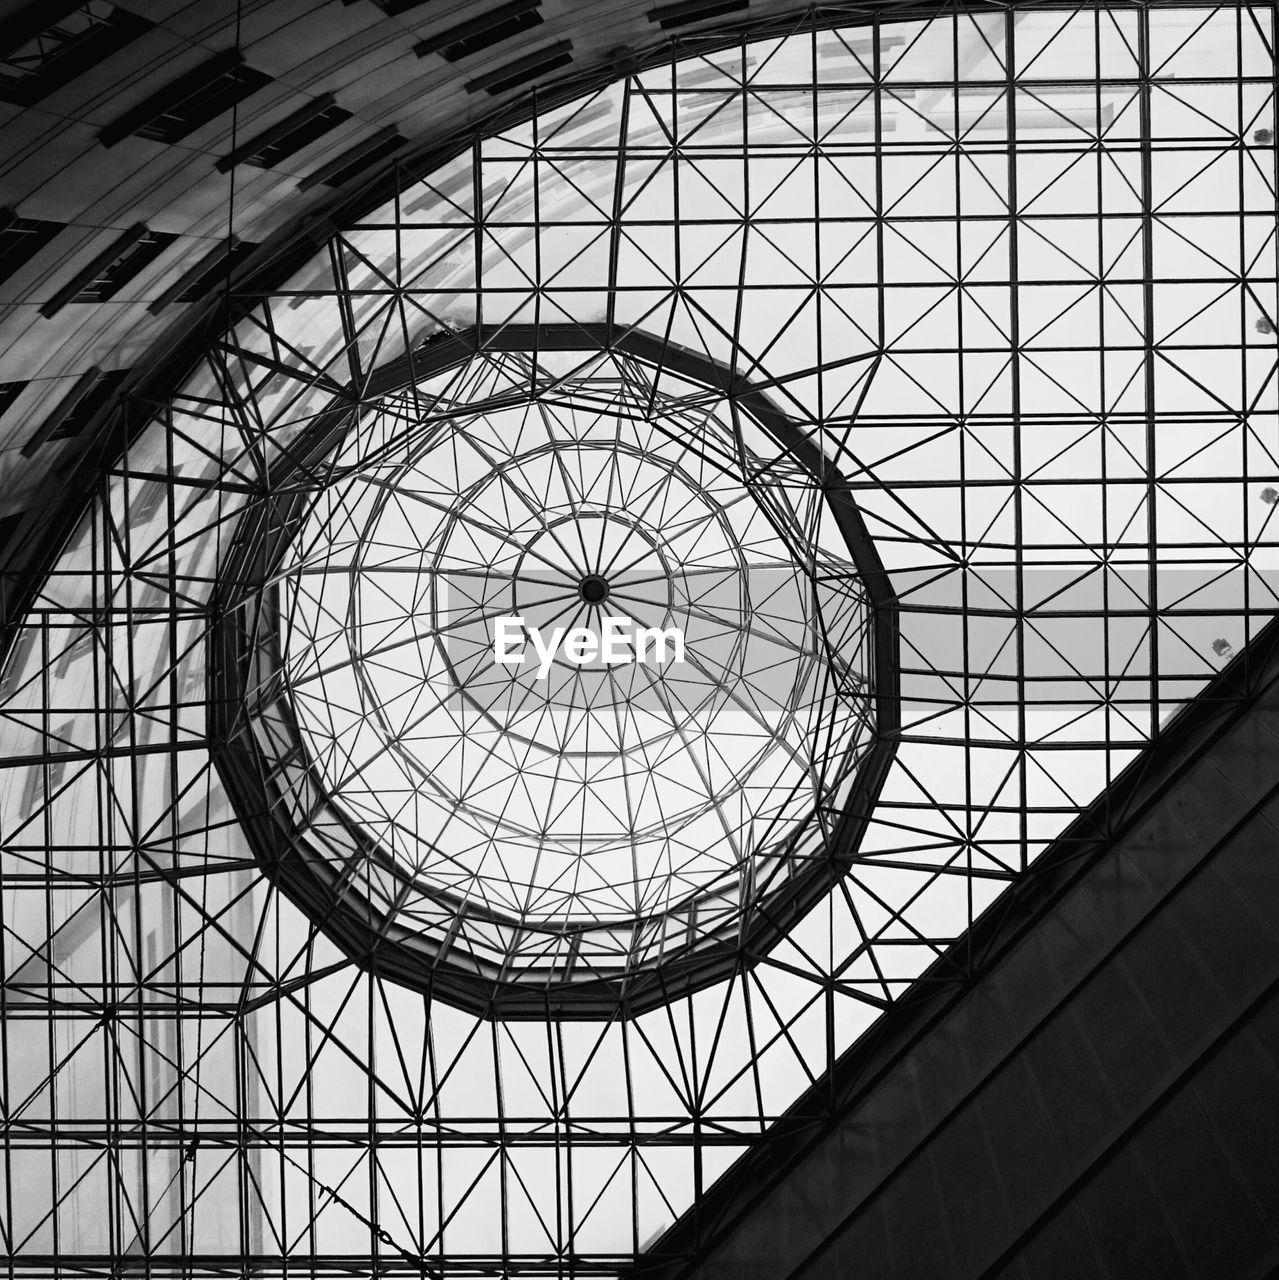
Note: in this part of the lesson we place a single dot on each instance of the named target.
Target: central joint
(593, 589)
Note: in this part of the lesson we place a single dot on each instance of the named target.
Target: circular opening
(549, 804)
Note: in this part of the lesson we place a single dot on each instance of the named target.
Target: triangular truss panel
(968, 322)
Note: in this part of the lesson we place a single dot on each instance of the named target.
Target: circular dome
(570, 670)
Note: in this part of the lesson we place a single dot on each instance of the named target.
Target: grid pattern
(1015, 276)
(548, 823)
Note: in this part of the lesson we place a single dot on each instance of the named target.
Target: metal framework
(593, 839)
(1008, 278)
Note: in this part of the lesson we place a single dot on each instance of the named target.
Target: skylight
(1001, 277)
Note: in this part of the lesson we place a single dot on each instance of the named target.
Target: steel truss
(781, 656)
(1013, 274)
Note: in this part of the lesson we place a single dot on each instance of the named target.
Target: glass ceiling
(1009, 279)
(544, 830)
